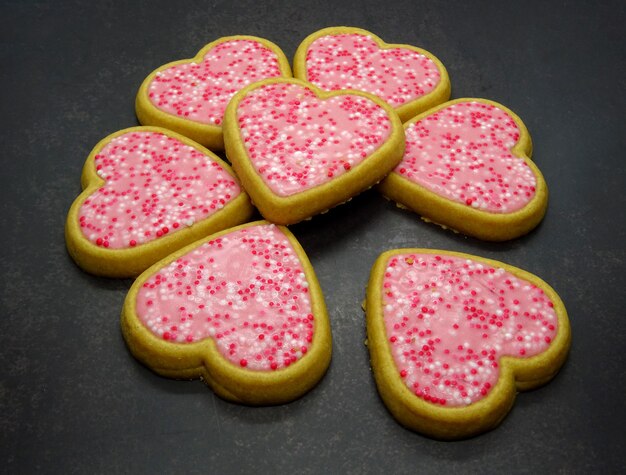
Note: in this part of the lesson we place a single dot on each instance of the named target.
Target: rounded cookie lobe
(190, 96)
(300, 151)
(466, 167)
(148, 192)
(410, 79)
(241, 309)
(452, 336)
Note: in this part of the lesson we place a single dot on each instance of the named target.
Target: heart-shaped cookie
(189, 96)
(466, 167)
(410, 79)
(148, 192)
(300, 151)
(241, 309)
(452, 337)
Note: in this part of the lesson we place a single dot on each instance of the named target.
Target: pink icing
(463, 152)
(297, 141)
(355, 61)
(247, 290)
(448, 320)
(201, 91)
(154, 185)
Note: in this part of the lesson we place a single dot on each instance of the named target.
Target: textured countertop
(72, 398)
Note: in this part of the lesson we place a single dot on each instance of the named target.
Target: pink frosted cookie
(300, 151)
(452, 337)
(189, 96)
(148, 192)
(466, 166)
(241, 309)
(408, 78)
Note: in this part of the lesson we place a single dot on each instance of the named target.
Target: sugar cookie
(410, 79)
(299, 151)
(148, 192)
(467, 167)
(241, 309)
(452, 337)
(189, 96)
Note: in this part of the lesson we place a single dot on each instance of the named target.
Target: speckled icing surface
(201, 91)
(247, 290)
(449, 319)
(154, 185)
(463, 153)
(355, 61)
(297, 141)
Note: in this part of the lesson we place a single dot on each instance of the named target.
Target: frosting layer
(246, 290)
(448, 321)
(154, 185)
(355, 61)
(297, 141)
(463, 153)
(200, 91)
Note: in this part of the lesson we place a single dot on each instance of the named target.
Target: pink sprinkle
(201, 91)
(152, 182)
(450, 355)
(354, 61)
(220, 291)
(463, 152)
(297, 141)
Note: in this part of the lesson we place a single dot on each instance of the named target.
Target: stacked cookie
(451, 336)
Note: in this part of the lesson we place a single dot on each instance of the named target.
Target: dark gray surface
(72, 399)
